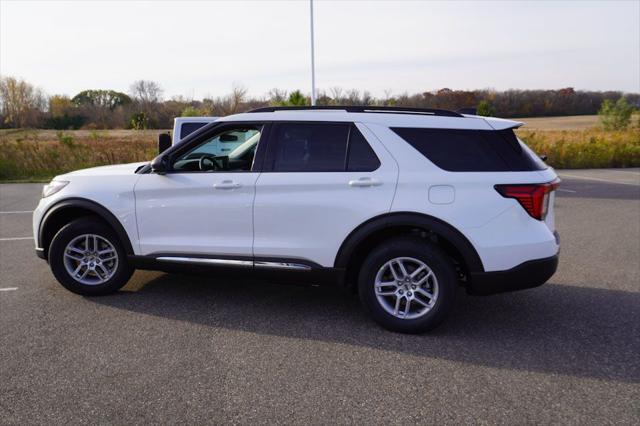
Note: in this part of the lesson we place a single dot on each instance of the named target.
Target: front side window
(319, 147)
(231, 150)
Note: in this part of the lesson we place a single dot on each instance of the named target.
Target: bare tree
(277, 96)
(146, 92)
(21, 104)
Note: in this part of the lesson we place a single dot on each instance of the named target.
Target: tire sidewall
(437, 261)
(71, 231)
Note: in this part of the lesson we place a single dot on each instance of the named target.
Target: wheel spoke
(75, 250)
(396, 275)
(86, 271)
(104, 275)
(75, 272)
(106, 251)
(407, 307)
(415, 273)
(403, 270)
(397, 307)
(424, 293)
(76, 258)
(423, 303)
(386, 284)
(424, 279)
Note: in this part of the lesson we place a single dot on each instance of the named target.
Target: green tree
(139, 121)
(485, 109)
(191, 112)
(109, 99)
(296, 98)
(615, 116)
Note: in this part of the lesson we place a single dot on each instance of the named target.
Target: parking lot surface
(185, 349)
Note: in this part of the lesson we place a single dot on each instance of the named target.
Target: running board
(235, 262)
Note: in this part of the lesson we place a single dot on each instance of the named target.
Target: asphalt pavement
(186, 349)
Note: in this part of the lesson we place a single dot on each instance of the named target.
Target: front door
(204, 204)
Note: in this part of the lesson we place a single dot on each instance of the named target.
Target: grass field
(575, 122)
(38, 155)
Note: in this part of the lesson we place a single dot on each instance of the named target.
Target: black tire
(88, 225)
(416, 248)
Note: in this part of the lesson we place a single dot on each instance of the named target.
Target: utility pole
(313, 64)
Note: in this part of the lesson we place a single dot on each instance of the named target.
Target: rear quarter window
(465, 150)
(187, 128)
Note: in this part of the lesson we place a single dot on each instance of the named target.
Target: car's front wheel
(408, 285)
(87, 258)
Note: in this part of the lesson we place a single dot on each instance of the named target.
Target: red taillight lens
(534, 198)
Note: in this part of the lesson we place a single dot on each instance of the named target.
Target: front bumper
(40, 253)
(526, 275)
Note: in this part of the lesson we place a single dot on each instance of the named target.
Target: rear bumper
(526, 275)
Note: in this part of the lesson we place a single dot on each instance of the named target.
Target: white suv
(404, 205)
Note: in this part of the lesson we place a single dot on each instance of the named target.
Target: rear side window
(187, 128)
(361, 156)
(319, 147)
(459, 150)
(309, 147)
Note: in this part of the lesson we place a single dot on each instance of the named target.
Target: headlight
(53, 187)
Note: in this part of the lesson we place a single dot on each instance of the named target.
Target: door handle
(226, 184)
(364, 182)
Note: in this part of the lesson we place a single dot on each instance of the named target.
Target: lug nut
(400, 291)
(413, 287)
(409, 294)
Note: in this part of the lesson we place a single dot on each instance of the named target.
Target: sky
(197, 49)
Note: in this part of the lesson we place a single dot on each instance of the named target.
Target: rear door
(320, 181)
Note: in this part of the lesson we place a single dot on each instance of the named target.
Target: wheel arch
(372, 232)
(67, 210)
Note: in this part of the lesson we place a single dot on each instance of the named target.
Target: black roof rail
(383, 109)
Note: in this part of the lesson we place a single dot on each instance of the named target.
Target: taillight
(533, 197)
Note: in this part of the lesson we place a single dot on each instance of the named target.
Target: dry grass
(574, 122)
(586, 149)
(41, 154)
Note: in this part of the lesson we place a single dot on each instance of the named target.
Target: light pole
(313, 64)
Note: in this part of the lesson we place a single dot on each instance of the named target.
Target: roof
(387, 119)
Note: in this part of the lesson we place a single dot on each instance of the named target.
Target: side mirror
(159, 165)
(543, 157)
(164, 142)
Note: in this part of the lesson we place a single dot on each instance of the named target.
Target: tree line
(23, 105)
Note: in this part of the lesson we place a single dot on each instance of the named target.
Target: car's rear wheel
(87, 258)
(408, 285)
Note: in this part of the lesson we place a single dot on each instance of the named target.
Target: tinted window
(308, 147)
(470, 150)
(361, 156)
(187, 128)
